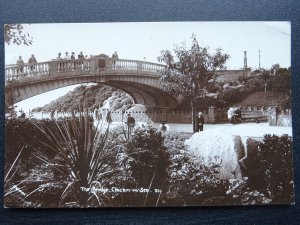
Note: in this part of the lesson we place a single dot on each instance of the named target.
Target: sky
(145, 40)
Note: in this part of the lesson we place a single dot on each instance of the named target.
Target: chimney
(245, 59)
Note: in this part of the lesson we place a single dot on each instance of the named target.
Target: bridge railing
(26, 70)
(61, 66)
(138, 65)
(56, 67)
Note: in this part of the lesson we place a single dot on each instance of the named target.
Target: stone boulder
(229, 151)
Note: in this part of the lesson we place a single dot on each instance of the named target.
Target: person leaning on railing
(32, 61)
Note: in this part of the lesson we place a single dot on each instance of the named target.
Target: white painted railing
(55, 67)
(26, 70)
(138, 65)
(60, 66)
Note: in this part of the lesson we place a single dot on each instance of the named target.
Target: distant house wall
(231, 75)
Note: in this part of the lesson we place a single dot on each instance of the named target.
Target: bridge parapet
(139, 66)
(14, 72)
(65, 66)
(90, 66)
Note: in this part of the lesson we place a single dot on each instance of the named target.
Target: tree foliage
(14, 34)
(191, 72)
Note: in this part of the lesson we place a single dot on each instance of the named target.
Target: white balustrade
(14, 72)
(54, 67)
(122, 64)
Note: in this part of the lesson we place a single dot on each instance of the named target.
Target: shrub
(21, 133)
(276, 167)
(149, 158)
(240, 193)
(270, 176)
(189, 182)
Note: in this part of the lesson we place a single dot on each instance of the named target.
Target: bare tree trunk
(194, 113)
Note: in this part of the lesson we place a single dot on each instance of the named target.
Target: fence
(276, 116)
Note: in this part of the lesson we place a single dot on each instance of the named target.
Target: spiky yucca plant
(83, 162)
(82, 154)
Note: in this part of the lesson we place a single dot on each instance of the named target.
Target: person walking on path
(199, 122)
(230, 114)
(130, 123)
(108, 117)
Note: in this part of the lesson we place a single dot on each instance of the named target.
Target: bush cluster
(270, 178)
(276, 167)
(150, 159)
(147, 159)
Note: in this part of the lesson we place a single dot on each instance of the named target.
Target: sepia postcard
(148, 114)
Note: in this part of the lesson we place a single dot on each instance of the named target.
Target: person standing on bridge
(73, 64)
(59, 65)
(32, 61)
(59, 56)
(20, 64)
(67, 66)
(81, 58)
(73, 55)
(67, 56)
(115, 57)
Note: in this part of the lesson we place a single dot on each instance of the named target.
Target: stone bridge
(139, 79)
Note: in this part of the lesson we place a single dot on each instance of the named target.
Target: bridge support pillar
(53, 67)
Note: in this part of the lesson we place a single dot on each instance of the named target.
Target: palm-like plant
(83, 164)
(83, 157)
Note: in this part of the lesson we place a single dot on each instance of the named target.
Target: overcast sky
(144, 41)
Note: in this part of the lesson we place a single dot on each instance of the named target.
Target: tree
(191, 72)
(275, 68)
(14, 33)
(282, 80)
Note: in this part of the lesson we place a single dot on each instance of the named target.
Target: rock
(216, 147)
(235, 155)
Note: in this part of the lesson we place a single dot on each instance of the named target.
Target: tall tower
(246, 69)
(245, 59)
(259, 51)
